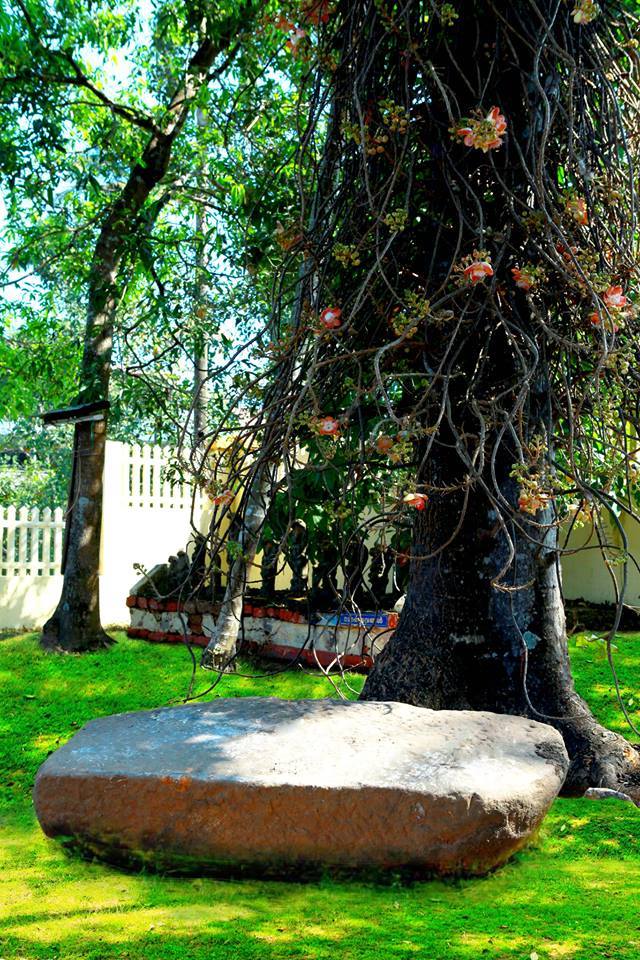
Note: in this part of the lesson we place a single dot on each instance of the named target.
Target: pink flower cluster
(484, 133)
(615, 302)
(478, 270)
(327, 427)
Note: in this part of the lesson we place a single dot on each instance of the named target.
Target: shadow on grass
(570, 896)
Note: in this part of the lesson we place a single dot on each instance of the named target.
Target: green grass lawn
(574, 893)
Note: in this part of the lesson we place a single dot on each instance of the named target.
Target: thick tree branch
(120, 223)
(79, 78)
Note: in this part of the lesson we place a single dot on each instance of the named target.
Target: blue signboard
(380, 620)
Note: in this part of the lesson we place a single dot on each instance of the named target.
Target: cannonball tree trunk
(483, 626)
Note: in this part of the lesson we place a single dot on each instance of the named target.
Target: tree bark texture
(483, 627)
(75, 626)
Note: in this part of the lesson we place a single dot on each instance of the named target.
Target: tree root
(218, 659)
(599, 759)
(54, 641)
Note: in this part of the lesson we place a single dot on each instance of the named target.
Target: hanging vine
(461, 277)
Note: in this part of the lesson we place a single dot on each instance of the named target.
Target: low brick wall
(326, 640)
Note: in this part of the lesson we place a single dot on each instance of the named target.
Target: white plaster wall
(584, 572)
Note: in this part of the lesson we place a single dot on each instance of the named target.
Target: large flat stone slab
(278, 785)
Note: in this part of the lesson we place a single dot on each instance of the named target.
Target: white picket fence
(145, 481)
(30, 543)
(146, 517)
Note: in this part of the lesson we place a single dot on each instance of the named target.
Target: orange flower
(498, 120)
(328, 427)
(287, 237)
(521, 278)
(417, 500)
(385, 444)
(330, 317)
(296, 34)
(485, 133)
(615, 302)
(532, 502)
(567, 254)
(281, 23)
(577, 207)
(226, 497)
(467, 133)
(478, 270)
(596, 320)
(614, 298)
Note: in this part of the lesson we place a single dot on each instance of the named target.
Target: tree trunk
(220, 652)
(200, 394)
(201, 353)
(471, 637)
(75, 625)
(64, 631)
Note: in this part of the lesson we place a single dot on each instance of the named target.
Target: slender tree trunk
(200, 393)
(201, 354)
(472, 638)
(77, 616)
(220, 652)
(76, 625)
(69, 629)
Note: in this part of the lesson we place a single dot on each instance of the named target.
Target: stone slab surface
(278, 785)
